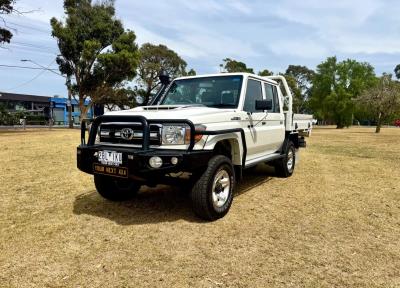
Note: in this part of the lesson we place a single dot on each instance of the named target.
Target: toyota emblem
(127, 133)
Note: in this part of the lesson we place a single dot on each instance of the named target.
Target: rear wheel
(212, 194)
(284, 167)
(115, 189)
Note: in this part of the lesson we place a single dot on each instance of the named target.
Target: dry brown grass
(335, 223)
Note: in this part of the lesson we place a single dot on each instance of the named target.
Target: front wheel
(115, 189)
(212, 194)
(284, 167)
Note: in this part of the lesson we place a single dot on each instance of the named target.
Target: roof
(229, 74)
(24, 97)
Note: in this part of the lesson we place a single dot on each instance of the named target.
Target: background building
(60, 110)
(22, 102)
(43, 106)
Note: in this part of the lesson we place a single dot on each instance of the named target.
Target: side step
(266, 158)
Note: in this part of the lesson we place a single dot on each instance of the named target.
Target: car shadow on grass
(159, 204)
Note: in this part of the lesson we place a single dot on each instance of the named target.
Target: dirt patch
(334, 223)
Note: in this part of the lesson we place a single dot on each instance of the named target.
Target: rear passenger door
(275, 119)
(254, 123)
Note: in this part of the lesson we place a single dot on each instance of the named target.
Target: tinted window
(276, 100)
(269, 94)
(253, 93)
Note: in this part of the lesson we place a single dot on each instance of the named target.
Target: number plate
(112, 171)
(110, 158)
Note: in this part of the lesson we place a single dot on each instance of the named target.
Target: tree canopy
(231, 66)
(382, 99)
(397, 71)
(336, 85)
(153, 59)
(301, 85)
(6, 7)
(265, 72)
(95, 49)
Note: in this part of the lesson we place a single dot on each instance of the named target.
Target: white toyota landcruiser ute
(203, 129)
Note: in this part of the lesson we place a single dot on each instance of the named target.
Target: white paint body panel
(263, 139)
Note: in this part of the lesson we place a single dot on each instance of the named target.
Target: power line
(30, 49)
(29, 27)
(34, 78)
(31, 45)
(26, 67)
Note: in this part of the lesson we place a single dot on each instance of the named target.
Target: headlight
(174, 134)
(178, 134)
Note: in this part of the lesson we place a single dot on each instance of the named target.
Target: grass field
(334, 223)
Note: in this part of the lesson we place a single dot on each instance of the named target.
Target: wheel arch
(292, 137)
(228, 145)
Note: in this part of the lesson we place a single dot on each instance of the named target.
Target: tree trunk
(379, 124)
(82, 109)
(339, 126)
(70, 123)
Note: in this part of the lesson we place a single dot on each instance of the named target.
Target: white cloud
(258, 32)
(240, 6)
(346, 26)
(302, 48)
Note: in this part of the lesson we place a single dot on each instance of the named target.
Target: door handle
(263, 123)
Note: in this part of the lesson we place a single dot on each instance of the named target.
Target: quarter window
(277, 108)
(272, 94)
(253, 93)
(269, 94)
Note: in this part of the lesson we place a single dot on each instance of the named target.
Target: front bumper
(136, 161)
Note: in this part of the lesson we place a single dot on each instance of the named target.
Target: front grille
(128, 133)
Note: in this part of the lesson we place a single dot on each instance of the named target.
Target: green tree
(265, 72)
(116, 96)
(397, 71)
(336, 85)
(302, 77)
(94, 48)
(6, 7)
(296, 93)
(191, 72)
(153, 59)
(382, 100)
(5, 116)
(231, 66)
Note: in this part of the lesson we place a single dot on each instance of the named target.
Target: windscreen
(218, 91)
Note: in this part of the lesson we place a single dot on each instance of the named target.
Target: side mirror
(263, 105)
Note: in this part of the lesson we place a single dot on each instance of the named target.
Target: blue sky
(261, 33)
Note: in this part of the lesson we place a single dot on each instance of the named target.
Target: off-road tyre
(283, 168)
(204, 195)
(115, 189)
